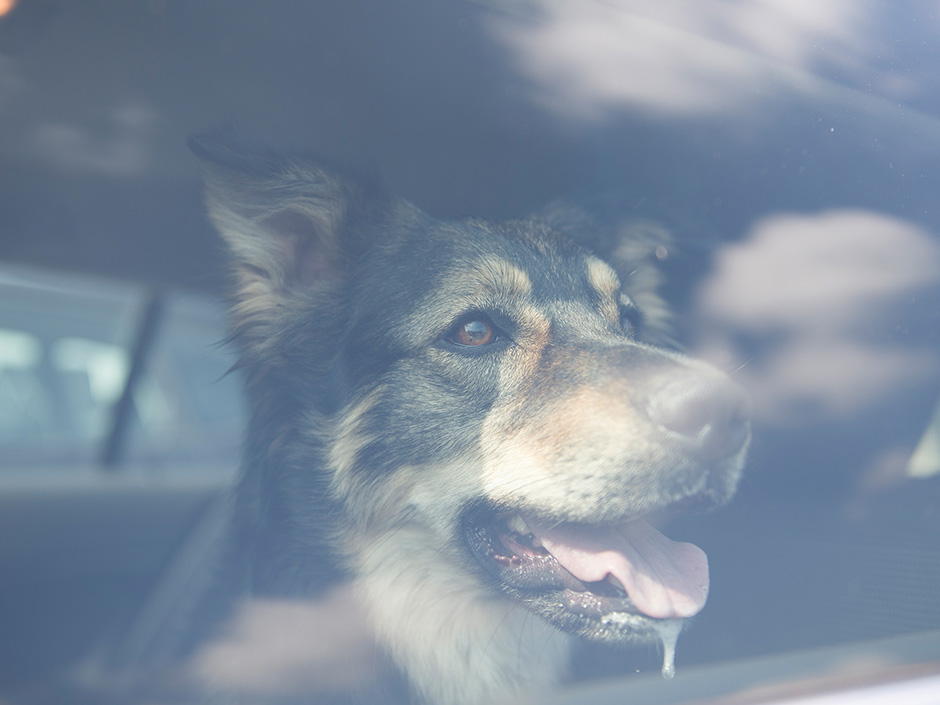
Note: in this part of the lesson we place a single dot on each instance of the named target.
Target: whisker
(548, 640)
(400, 524)
(512, 608)
(519, 647)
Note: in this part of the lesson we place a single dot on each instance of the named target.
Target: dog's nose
(707, 415)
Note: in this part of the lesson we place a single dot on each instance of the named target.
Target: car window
(258, 259)
(189, 403)
(68, 347)
(65, 363)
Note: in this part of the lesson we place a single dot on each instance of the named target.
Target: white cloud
(677, 56)
(821, 295)
(824, 270)
(122, 147)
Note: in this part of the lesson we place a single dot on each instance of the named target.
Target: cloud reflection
(706, 57)
(121, 148)
(810, 312)
(283, 647)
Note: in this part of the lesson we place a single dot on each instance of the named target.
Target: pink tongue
(664, 579)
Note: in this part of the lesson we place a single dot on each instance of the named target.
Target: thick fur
(376, 437)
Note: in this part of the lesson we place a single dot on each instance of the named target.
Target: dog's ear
(635, 251)
(289, 223)
(293, 226)
(633, 248)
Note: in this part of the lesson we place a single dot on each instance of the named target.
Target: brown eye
(630, 319)
(473, 332)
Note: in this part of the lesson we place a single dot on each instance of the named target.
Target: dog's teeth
(516, 524)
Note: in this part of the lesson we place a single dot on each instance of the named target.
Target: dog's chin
(522, 567)
(590, 615)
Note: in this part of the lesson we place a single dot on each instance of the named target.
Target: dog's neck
(455, 642)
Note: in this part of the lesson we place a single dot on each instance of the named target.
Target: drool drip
(669, 635)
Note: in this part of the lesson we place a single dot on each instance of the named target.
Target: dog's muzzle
(620, 577)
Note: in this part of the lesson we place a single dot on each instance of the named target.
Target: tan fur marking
(589, 452)
(501, 277)
(606, 283)
(603, 278)
(485, 281)
(349, 441)
(522, 362)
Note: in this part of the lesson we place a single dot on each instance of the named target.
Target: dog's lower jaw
(454, 639)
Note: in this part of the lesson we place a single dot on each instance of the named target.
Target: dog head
(504, 392)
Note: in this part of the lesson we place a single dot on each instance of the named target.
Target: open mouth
(583, 576)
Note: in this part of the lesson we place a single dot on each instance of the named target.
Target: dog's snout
(708, 416)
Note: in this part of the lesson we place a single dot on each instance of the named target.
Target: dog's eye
(474, 331)
(630, 320)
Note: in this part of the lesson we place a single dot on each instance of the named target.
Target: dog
(470, 422)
